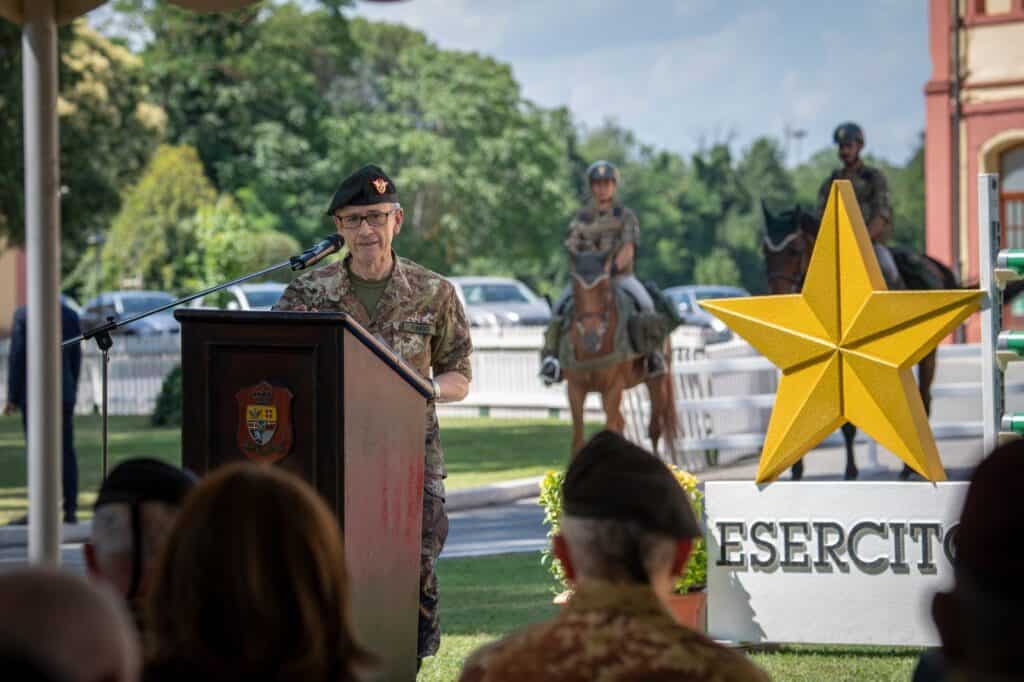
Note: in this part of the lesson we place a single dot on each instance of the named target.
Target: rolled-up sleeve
(452, 346)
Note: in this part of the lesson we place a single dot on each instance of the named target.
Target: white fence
(724, 391)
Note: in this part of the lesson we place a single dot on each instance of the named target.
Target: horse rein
(796, 283)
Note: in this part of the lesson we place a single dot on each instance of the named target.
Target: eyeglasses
(352, 221)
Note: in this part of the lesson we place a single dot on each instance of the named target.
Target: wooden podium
(316, 394)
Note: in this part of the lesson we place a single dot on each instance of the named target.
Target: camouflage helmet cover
(602, 170)
(848, 132)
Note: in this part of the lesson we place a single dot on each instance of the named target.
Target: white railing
(138, 366)
(724, 391)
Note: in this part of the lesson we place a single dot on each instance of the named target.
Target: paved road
(519, 527)
(493, 530)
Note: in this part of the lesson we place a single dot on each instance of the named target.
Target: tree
(483, 174)
(250, 90)
(220, 231)
(108, 129)
(154, 239)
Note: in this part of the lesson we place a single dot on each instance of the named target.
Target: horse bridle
(796, 283)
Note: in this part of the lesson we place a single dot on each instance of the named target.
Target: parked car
(124, 304)
(688, 299)
(259, 296)
(500, 302)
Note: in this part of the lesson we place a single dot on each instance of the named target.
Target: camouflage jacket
(418, 315)
(872, 192)
(595, 230)
(609, 632)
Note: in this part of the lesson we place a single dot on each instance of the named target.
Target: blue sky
(682, 73)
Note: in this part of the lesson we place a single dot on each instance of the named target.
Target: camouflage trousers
(435, 532)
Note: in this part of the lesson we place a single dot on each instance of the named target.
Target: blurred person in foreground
(73, 629)
(17, 395)
(626, 534)
(979, 619)
(135, 509)
(252, 586)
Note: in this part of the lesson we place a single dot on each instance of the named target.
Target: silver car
(123, 304)
(259, 296)
(500, 302)
(688, 299)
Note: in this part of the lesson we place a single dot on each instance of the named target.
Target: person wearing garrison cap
(413, 310)
(625, 536)
(135, 509)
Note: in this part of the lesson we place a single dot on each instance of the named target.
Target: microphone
(330, 244)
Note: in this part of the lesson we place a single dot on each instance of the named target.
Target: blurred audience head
(134, 512)
(66, 628)
(253, 579)
(625, 518)
(979, 620)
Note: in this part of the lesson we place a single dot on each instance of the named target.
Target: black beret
(611, 478)
(145, 480)
(368, 185)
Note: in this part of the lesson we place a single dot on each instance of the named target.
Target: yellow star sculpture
(846, 347)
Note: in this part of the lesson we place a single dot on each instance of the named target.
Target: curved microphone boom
(330, 244)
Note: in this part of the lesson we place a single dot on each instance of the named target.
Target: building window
(994, 11)
(1011, 207)
(1011, 199)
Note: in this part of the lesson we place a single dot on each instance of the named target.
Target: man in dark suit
(17, 393)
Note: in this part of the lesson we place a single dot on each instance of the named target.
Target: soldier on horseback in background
(872, 191)
(603, 224)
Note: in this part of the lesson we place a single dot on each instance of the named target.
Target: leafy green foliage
(550, 499)
(283, 99)
(154, 238)
(167, 411)
(228, 247)
(109, 126)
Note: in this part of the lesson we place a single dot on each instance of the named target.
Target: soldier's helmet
(602, 170)
(848, 132)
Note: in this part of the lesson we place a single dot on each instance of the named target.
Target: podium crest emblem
(265, 431)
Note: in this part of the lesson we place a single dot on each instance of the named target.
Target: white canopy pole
(42, 239)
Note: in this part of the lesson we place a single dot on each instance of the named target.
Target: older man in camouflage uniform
(626, 534)
(872, 191)
(413, 310)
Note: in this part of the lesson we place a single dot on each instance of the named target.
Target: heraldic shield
(265, 431)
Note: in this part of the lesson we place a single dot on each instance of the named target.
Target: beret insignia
(381, 185)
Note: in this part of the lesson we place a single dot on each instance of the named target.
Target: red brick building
(974, 124)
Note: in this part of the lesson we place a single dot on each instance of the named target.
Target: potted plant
(689, 600)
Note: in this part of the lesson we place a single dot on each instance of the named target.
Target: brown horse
(788, 242)
(592, 334)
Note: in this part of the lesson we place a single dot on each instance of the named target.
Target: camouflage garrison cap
(602, 170)
(368, 185)
(612, 479)
(848, 132)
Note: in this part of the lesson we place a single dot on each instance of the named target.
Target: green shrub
(550, 499)
(168, 404)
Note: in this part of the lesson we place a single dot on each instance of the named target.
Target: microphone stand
(101, 334)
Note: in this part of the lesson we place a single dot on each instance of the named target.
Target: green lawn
(485, 598)
(477, 450)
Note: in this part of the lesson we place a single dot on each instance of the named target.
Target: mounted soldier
(602, 225)
(872, 191)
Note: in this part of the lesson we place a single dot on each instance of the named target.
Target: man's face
(370, 239)
(603, 189)
(849, 152)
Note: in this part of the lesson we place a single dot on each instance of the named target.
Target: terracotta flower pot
(690, 609)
